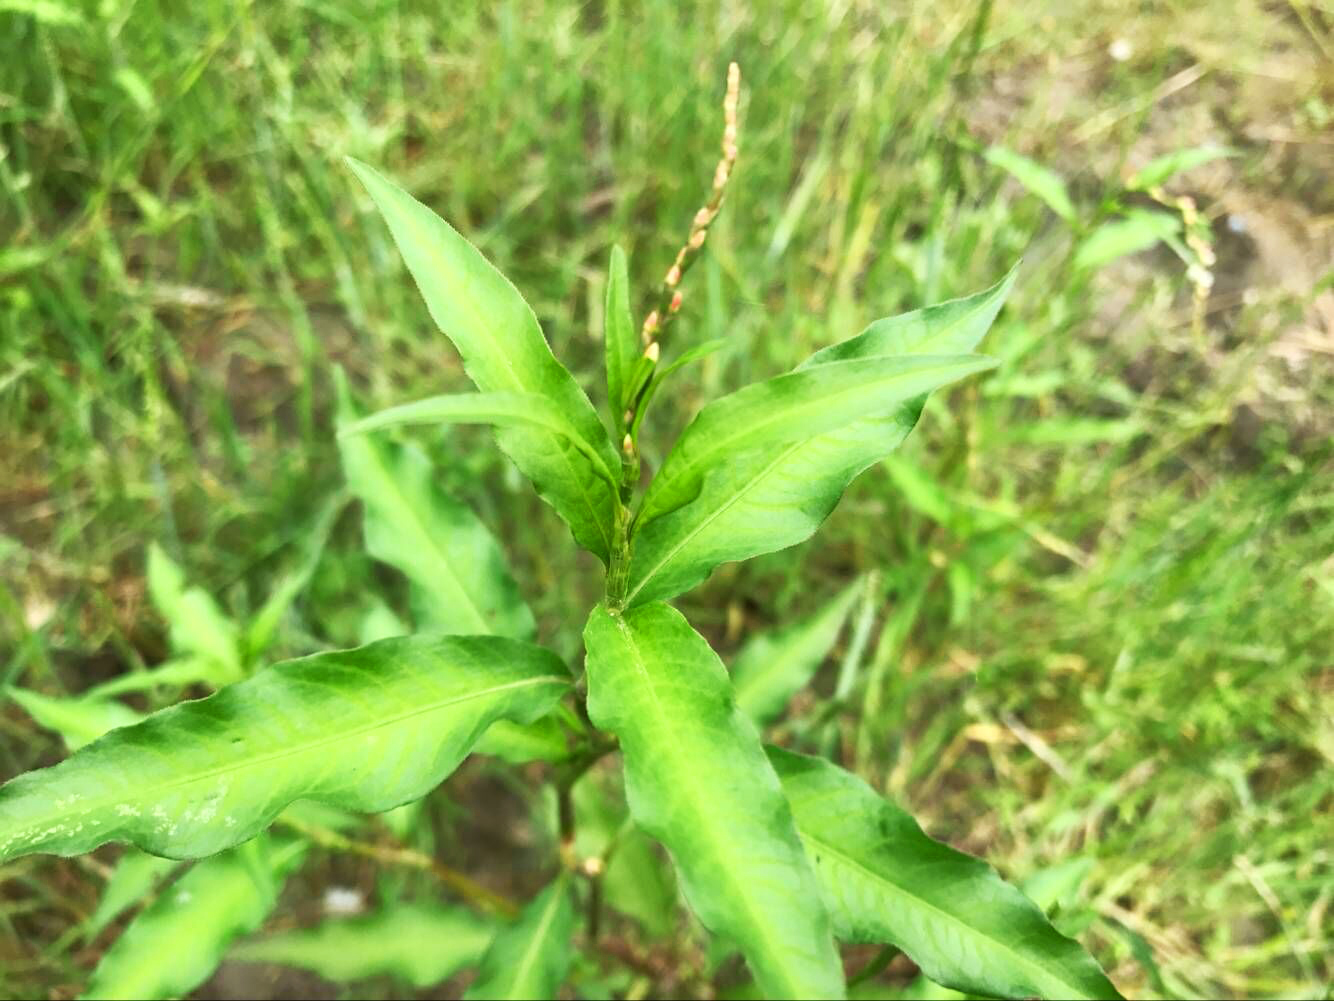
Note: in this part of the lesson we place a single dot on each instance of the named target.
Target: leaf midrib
(666, 479)
(670, 749)
(947, 917)
(343, 735)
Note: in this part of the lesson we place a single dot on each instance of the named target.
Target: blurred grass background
(1103, 606)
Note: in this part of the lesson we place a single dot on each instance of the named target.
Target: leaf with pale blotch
(420, 944)
(766, 499)
(772, 667)
(179, 940)
(460, 582)
(503, 350)
(365, 729)
(529, 958)
(619, 340)
(886, 882)
(697, 780)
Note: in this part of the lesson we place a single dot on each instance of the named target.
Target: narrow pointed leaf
(540, 740)
(772, 667)
(419, 944)
(697, 780)
(78, 721)
(198, 626)
(767, 499)
(459, 579)
(796, 407)
(529, 958)
(1139, 230)
(1167, 166)
(365, 729)
(178, 673)
(618, 334)
(135, 876)
(503, 350)
(886, 882)
(1042, 181)
(502, 409)
(177, 943)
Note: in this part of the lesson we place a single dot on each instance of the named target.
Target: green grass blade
(697, 780)
(774, 666)
(619, 340)
(177, 943)
(1163, 168)
(886, 882)
(419, 944)
(529, 958)
(365, 729)
(457, 569)
(503, 350)
(763, 500)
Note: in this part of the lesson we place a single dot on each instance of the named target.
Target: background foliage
(1100, 576)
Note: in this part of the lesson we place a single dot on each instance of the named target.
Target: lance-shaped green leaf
(459, 579)
(420, 944)
(795, 407)
(1042, 181)
(503, 349)
(78, 721)
(697, 780)
(767, 499)
(1167, 166)
(502, 409)
(135, 876)
(529, 958)
(772, 667)
(177, 943)
(365, 729)
(618, 334)
(885, 881)
(198, 626)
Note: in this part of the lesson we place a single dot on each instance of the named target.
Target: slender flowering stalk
(668, 300)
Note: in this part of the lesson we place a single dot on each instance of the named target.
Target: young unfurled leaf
(420, 944)
(766, 499)
(772, 667)
(795, 407)
(459, 579)
(503, 350)
(177, 943)
(886, 882)
(363, 729)
(1139, 230)
(1042, 181)
(697, 780)
(529, 958)
(133, 878)
(618, 334)
(502, 409)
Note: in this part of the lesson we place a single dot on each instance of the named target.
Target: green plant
(778, 854)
